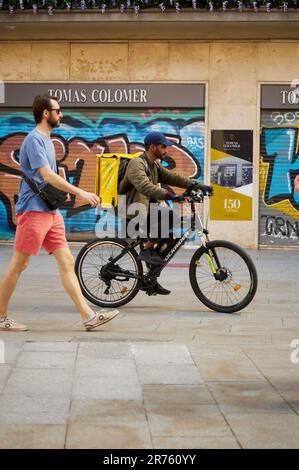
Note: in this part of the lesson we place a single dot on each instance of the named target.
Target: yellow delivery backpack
(110, 170)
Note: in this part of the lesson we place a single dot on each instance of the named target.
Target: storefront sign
(89, 95)
(231, 174)
(280, 96)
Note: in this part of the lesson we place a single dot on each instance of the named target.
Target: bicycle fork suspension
(219, 273)
(210, 261)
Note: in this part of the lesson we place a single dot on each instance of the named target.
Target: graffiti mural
(80, 138)
(279, 165)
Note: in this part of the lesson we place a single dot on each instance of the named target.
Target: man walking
(39, 226)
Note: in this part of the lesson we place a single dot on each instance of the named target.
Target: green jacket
(141, 179)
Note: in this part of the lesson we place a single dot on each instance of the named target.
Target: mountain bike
(222, 275)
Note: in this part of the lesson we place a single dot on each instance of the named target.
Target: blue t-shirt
(36, 151)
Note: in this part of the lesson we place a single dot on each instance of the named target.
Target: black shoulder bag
(53, 197)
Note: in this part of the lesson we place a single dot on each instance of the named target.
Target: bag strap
(33, 185)
(30, 183)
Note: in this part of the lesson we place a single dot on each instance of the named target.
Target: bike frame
(155, 271)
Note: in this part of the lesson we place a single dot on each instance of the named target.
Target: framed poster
(231, 174)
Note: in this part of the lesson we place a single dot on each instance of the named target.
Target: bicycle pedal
(150, 292)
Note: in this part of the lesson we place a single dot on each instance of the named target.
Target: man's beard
(52, 123)
(158, 155)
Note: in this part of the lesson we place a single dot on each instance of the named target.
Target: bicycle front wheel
(223, 276)
(116, 286)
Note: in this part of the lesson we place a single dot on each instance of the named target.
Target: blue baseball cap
(157, 138)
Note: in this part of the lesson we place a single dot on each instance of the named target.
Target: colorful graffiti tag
(279, 203)
(81, 136)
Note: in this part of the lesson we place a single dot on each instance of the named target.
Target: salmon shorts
(37, 229)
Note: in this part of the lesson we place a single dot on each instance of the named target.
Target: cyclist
(140, 184)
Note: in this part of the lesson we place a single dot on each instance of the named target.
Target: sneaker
(8, 324)
(101, 317)
(151, 257)
(156, 289)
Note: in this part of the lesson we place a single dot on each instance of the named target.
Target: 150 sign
(231, 174)
(232, 204)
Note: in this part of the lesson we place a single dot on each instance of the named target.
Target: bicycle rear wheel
(114, 287)
(233, 284)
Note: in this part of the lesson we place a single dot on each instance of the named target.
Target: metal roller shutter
(83, 134)
(279, 164)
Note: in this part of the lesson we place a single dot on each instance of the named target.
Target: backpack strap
(147, 168)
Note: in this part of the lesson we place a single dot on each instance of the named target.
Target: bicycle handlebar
(196, 195)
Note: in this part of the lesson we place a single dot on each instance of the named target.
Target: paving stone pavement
(166, 373)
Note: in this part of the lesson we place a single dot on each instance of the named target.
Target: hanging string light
(136, 6)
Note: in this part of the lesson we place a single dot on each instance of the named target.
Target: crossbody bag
(53, 197)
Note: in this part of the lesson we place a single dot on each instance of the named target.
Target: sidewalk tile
(195, 443)
(292, 398)
(106, 368)
(266, 431)
(234, 369)
(176, 395)
(159, 353)
(36, 382)
(23, 409)
(185, 421)
(105, 350)
(247, 397)
(107, 411)
(283, 380)
(46, 360)
(108, 436)
(106, 388)
(32, 436)
(168, 374)
(58, 346)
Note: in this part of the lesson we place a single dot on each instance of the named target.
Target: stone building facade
(235, 57)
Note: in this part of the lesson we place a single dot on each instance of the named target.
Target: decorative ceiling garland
(136, 6)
